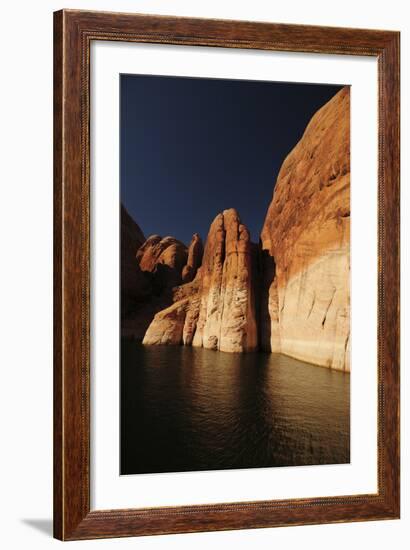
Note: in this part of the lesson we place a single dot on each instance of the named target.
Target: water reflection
(186, 409)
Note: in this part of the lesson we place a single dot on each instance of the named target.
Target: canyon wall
(305, 240)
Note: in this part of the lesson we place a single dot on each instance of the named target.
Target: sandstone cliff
(218, 309)
(305, 302)
(227, 310)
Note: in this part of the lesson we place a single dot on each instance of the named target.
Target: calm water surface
(186, 409)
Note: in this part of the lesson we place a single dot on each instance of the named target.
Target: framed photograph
(226, 275)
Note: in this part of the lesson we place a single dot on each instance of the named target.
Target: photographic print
(203, 281)
(235, 274)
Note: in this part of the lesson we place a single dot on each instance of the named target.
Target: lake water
(185, 409)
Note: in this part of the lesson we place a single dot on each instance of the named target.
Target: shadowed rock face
(134, 285)
(305, 303)
(168, 325)
(152, 268)
(195, 253)
(220, 312)
(164, 258)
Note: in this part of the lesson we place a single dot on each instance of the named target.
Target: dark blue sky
(192, 147)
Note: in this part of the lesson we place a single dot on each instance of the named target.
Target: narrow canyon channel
(186, 409)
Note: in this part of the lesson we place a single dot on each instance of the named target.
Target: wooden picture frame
(73, 33)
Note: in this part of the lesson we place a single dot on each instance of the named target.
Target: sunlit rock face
(168, 325)
(305, 242)
(227, 310)
(176, 324)
(217, 310)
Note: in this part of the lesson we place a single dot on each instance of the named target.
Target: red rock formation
(305, 306)
(168, 325)
(134, 285)
(149, 270)
(227, 313)
(220, 312)
(164, 258)
(195, 253)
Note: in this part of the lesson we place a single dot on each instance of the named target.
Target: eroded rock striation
(305, 302)
(227, 309)
(218, 309)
